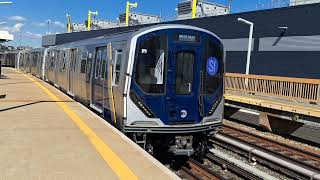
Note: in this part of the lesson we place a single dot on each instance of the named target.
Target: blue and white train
(162, 85)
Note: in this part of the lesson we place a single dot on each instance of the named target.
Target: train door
(183, 91)
(57, 67)
(71, 72)
(97, 81)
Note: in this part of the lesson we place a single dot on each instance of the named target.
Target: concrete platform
(281, 116)
(44, 134)
(276, 103)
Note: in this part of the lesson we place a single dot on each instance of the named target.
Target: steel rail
(270, 156)
(232, 167)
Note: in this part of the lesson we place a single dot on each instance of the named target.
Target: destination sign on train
(188, 38)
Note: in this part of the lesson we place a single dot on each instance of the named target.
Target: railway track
(195, 170)
(304, 163)
(216, 167)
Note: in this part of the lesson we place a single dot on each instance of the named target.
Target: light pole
(69, 23)
(128, 6)
(90, 13)
(249, 44)
(194, 9)
(48, 23)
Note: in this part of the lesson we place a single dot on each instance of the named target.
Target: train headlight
(136, 100)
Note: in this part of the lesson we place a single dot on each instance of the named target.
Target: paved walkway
(44, 134)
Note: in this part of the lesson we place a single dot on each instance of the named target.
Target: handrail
(293, 88)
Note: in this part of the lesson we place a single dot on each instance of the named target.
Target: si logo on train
(212, 66)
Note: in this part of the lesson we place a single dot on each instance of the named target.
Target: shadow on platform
(29, 104)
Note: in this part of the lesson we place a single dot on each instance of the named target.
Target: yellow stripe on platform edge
(116, 164)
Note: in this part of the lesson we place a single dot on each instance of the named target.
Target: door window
(184, 73)
(117, 66)
(73, 53)
(101, 54)
(103, 64)
(98, 60)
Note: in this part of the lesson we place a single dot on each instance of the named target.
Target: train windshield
(151, 59)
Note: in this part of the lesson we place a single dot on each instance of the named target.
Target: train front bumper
(175, 129)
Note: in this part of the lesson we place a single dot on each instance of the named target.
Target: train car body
(162, 85)
(8, 59)
(36, 59)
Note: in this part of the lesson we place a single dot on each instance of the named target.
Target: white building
(78, 27)
(204, 9)
(138, 18)
(103, 24)
(301, 2)
(5, 36)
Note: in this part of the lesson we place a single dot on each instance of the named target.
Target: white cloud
(40, 24)
(58, 24)
(16, 28)
(4, 28)
(52, 23)
(31, 35)
(13, 29)
(17, 18)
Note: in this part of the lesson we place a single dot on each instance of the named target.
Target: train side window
(98, 60)
(63, 62)
(116, 67)
(84, 57)
(103, 64)
(52, 60)
(56, 59)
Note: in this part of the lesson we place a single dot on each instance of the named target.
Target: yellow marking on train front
(116, 164)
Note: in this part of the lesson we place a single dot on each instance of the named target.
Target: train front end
(175, 88)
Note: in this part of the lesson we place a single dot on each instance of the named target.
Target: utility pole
(90, 13)
(128, 6)
(69, 23)
(194, 9)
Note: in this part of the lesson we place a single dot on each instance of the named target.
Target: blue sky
(27, 18)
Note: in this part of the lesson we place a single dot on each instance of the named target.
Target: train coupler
(183, 146)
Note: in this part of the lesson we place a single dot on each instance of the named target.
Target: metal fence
(293, 88)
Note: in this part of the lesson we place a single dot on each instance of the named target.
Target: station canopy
(5, 36)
